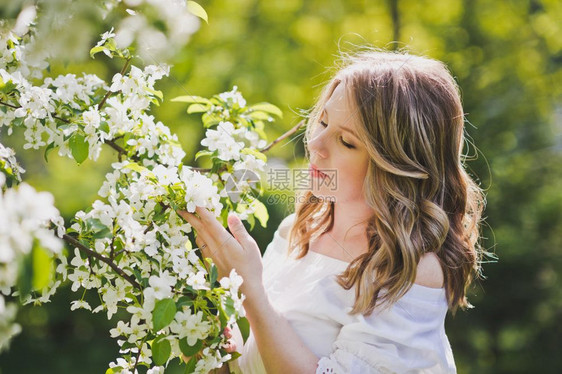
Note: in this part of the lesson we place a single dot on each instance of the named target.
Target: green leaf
(261, 133)
(94, 224)
(203, 153)
(156, 93)
(104, 233)
(42, 267)
(114, 370)
(252, 221)
(7, 87)
(49, 148)
(223, 318)
(197, 10)
(25, 276)
(197, 108)
(254, 152)
(161, 350)
(98, 229)
(79, 147)
(224, 217)
(190, 366)
(104, 126)
(190, 350)
(184, 301)
(210, 119)
(137, 274)
(229, 307)
(244, 327)
(268, 108)
(259, 116)
(135, 167)
(97, 49)
(260, 212)
(191, 99)
(163, 313)
(213, 275)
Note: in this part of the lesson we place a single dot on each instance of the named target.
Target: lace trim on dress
(343, 362)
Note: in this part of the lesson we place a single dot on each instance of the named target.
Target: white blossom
(233, 97)
(134, 224)
(162, 285)
(80, 304)
(232, 282)
(190, 326)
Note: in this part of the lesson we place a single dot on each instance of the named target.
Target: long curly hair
(412, 125)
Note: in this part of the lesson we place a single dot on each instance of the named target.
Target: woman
(359, 279)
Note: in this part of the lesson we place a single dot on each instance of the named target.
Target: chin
(324, 195)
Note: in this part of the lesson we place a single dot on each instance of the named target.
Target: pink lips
(315, 172)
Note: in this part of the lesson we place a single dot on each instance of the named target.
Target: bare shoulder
(430, 273)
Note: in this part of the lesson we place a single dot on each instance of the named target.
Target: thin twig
(120, 150)
(266, 148)
(109, 93)
(9, 105)
(138, 355)
(109, 142)
(69, 239)
(285, 135)
(112, 245)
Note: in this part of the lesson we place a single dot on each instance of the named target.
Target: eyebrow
(347, 129)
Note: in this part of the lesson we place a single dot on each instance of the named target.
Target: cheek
(357, 171)
(351, 174)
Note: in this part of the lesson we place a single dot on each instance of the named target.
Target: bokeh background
(507, 59)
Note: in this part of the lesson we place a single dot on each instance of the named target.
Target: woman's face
(336, 151)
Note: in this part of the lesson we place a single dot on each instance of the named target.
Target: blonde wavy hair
(412, 125)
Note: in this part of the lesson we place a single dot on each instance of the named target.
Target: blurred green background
(507, 58)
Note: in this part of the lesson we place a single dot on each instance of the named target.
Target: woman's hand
(228, 251)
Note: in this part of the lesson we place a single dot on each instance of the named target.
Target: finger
(230, 346)
(201, 237)
(239, 231)
(227, 332)
(209, 219)
(220, 236)
(203, 246)
(191, 218)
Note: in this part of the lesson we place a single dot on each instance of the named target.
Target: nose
(317, 143)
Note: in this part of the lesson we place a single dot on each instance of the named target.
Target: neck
(350, 220)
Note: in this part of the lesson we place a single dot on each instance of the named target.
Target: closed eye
(347, 145)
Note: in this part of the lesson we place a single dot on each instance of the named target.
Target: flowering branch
(285, 135)
(9, 105)
(109, 142)
(176, 296)
(109, 92)
(102, 258)
(266, 148)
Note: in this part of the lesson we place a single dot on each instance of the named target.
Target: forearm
(281, 349)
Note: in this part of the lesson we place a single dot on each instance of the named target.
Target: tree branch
(119, 149)
(9, 105)
(109, 142)
(285, 135)
(81, 247)
(109, 93)
(268, 147)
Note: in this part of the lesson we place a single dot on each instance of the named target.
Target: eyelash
(347, 145)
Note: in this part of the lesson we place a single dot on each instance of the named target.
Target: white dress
(408, 337)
